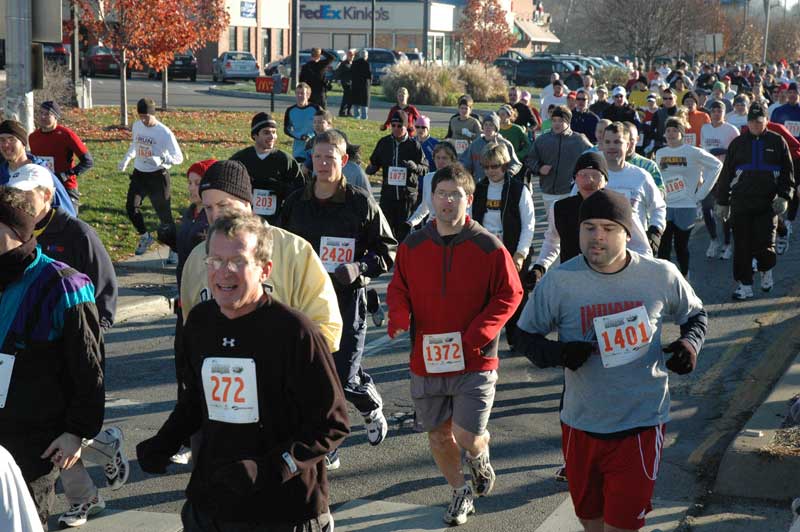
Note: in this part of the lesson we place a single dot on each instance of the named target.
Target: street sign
(46, 20)
(266, 84)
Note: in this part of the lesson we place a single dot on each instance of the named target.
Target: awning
(535, 32)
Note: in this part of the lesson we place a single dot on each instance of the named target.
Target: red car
(101, 60)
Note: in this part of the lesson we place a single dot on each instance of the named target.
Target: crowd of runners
(283, 246)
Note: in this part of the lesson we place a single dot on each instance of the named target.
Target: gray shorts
(683, 217)
(466, 398)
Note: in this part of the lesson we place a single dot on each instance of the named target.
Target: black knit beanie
(52, 107)
(228, 176)
(608, 205)
(260, 121)
(146, 106)
(592, 159)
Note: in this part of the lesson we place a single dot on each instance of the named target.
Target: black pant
(396, 212)
(75, 196)
(347, 91)
(753, 237)
(320, 98)
(156, 186)
(681, 238)
(196, 520)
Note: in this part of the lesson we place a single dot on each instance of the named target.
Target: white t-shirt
(547, 101)
(646, 200)
(736, 120)
(717, 137)
(689, 173)
(152, 148)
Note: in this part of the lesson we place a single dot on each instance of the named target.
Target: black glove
(575, 354)
(412, 166)
(347, 274)
(371, 169)
(683, 359)
(654, 238)
(531, 276)
(64, 177)
(151, 457)
(242, 477)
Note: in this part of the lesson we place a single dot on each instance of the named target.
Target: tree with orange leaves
(484, 30)
(150, 32)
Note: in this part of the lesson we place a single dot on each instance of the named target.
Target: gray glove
(723, 212)
(347, 274)
(779, 205)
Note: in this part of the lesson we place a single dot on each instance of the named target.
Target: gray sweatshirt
(567, 299)
(560, 152)
(471, 159)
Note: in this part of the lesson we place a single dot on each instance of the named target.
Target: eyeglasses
(235, 265)
(397, 126)
(581, 99)
(667, 98)
(449, 196)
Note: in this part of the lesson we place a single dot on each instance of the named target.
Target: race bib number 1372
(230, 389)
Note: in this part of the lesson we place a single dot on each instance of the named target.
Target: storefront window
(279, 43)
(246, 39)
(266, 44)
(232, 38)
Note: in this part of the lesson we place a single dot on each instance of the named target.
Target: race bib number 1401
(623, 337)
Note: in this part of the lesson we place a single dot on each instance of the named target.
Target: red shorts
(612, 479)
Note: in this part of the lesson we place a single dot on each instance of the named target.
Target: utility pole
(426, 27)
(295, 44)
(372, 25)
(76, 41)
(744, 23)
(767, 6)
(19, 36)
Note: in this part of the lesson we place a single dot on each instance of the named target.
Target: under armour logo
(229, 342)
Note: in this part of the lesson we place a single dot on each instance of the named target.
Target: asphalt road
(746, 350)
(184, 93)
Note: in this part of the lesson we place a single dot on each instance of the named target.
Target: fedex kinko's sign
(341, 12)
(358, 15)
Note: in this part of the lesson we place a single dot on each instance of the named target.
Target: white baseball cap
(31, 176)
(618, 90)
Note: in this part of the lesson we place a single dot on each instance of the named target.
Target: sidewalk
(146, 285)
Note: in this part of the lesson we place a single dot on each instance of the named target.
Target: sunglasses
(668, 98)
(398, 125)
(619, 96)
(581, 99)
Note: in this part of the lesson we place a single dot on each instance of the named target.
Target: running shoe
(332, 461)
(713, 249)
(78, 514)
(461, 507)
(183, 457)
(172, 259)
(118, 469)
(375, 308)
(561, 474)
(145, 241)
(483, 476)
(782, 244)
(743, 291)
(766, 281)
(376, 426)
(727, 252)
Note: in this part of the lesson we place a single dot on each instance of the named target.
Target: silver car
(234, 65)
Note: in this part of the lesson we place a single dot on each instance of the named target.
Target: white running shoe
(727, 252)
(78, 514)
(788, 225)
(713, 249)
(483, 475)
(782, 244)
(145, 241)
(461, 506)
(743, 291)
(766, 281)
(376, 426)
(332, 461)
(184, 456)
(118, 469)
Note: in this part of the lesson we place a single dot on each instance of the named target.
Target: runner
(552, 157)
(444, 155)
(400, 159)
(738, 118)
(154, 150)
(512, 132)
(350, 234)
(471, 159)
(715, 138)
(557, 98)
(464, 127)
(298, 277)
(525, 117)
(298, 120)
(755, 187)
(407, 108)
(58, 145)
(689, 174)
(583, 120)
(19, 512)
(345, 76)
(262, 392)
(612, 442)
(51, 345)
(645, 163)
(788, 115)
(313, 74)
(274, 173)
(454, 356)
(423, 135)
(13, 140)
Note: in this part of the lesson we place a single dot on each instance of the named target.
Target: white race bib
(6, 367)
(398, 175)
(265, 203)
(675, 187)
(623, 337)
(690, 139)
(231, 390)
(794, 127)
(461, 145)
(144, 151)
(334, 251)
(443, 353)
(49, 163)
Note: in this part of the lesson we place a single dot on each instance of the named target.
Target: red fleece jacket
(469, 285)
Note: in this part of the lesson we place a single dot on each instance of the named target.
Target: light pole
(372, 25)
(767, 6)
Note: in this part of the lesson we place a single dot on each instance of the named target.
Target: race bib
(676, 190)
(6, 367)
(144, 151)
(398, 175)
(466, 132)
(794, 127)
(230, 388)
(623, 337)
(334, 251)
(49, 163)
(690, 139)
(443, 353)
(265, 203)
(461, 145)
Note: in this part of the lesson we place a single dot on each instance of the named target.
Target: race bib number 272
(230, 389)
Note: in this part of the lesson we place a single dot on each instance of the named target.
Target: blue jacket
(60, 198)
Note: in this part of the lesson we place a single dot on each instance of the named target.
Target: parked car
(234, 65)
(284, 65)
(513, 54)
(57, 52)
(508, 67)
(184, 65)
(415, 57)
(536, 71)
(101, 60)
(381, 60)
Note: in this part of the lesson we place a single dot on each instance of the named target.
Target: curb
(745, 471)
(139, 306)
